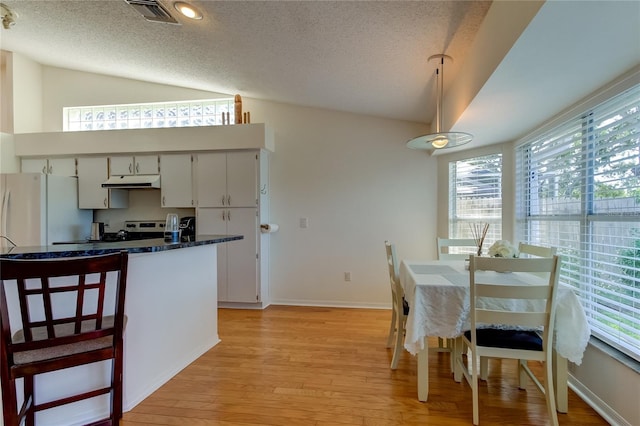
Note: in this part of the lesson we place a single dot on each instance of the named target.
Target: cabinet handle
(130, 167)
(137, 167)
(228, 214)
(223, 215)
(163, 200)
(223, 200)
(229, 200)
(105, 202)
(44, 170)
(50, 170)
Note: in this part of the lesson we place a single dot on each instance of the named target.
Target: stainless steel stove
(137, 230)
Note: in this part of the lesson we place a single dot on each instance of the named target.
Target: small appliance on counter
(188, 227)
(97, 231)
(172, 228)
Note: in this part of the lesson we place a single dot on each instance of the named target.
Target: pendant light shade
(439, 139)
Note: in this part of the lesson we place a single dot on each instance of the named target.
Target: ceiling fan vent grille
(152, 11)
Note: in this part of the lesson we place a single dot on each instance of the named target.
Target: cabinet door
(119, 166)
(52, 166)
(175, 180)
(242, 179)
(62, 166)
(91, 173)
(242, 261)
(211, 180)
(211, 222)
(34, 165)
(146, 165)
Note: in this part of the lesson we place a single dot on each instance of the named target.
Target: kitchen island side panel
(172, 316)
(172, 319)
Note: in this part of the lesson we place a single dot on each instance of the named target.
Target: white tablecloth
(438, 296)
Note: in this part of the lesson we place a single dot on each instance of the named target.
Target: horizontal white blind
(475, 197)
(578, 188)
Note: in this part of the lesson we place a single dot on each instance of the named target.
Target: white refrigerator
(39, 209)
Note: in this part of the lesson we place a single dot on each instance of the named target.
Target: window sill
(615, 354)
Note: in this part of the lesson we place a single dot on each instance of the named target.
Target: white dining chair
(538, 251)
(444, 246)
(499, 329)
(400, 308)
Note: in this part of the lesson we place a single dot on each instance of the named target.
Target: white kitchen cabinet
(49, 166)
(176, 180)
(92, 172)
(238, 261)
(133, 165)
(243, 266)
(227, 179)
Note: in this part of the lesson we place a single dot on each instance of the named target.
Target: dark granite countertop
(94, 249)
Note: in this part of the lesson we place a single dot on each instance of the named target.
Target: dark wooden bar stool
(56, 314)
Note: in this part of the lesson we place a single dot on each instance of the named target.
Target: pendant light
(439, 140)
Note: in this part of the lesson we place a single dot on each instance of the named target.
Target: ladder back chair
(57, 314)
(400, 307)
(538, 251)
(444, 245)
(508, 328)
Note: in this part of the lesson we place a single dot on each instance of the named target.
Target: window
(578, 188)
(475, 197)
(146, 116)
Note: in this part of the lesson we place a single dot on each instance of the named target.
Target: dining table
(438, 293)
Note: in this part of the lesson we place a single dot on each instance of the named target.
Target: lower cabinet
(238, 261)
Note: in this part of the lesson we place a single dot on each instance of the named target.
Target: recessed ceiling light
(187, 10)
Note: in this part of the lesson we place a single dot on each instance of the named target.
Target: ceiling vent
(152, 11)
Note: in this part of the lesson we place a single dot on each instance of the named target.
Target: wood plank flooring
(290, 365)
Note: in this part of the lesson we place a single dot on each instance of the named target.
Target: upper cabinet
(92, 172)
(49, 166)
(176, 180)
(227, 179)
(133, 165)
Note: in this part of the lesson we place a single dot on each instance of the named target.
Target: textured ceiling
(360, 56)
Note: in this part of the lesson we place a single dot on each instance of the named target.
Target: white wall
(27, 95)
(350, 175)
(357, 184)
(9, 163)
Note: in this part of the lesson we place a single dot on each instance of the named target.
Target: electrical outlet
(304, 222)
(347, 276)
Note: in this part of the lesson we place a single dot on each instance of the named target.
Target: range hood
(133, 182)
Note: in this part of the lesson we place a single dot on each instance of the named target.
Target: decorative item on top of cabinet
(134, 165)
(237, 108)
(92, 172)
(176, 180)
(50, 166)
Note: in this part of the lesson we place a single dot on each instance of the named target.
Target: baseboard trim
(329, 304)
(601, 407)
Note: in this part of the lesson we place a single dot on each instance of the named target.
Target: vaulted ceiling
(511, 60)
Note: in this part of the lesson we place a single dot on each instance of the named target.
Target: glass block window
(147, 116)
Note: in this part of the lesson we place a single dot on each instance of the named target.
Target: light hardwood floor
(290, 365)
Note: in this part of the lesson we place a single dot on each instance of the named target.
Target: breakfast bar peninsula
(171, 311)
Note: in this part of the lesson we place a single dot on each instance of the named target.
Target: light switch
(304, 222)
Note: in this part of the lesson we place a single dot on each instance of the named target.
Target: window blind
(578, 188)
(475, 197)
